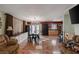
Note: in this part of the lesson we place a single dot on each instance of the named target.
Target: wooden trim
(60, 22)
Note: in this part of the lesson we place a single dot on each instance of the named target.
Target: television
(74, 15)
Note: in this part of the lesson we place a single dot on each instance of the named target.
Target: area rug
(38, 47)
(24, 52)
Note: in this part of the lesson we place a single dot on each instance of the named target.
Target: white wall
(3, 18)
(76, 27)
(68, 27)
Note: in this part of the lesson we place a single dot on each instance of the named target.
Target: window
(34, 29)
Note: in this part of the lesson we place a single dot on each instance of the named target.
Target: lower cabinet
(53, 32)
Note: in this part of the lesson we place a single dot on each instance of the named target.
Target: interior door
(45, 29)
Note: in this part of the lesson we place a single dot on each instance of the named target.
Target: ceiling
(42, 11)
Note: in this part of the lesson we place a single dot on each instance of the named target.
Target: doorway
(45, 29)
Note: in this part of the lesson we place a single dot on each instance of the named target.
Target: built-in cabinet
(53, 32)
(51, 28)
(9, 25)
(14, 26)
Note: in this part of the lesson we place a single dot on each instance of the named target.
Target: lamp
(9, 28)
(9, 31)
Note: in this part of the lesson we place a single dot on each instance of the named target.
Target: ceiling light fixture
(34, 18)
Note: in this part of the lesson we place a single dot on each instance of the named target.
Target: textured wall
(2, 29)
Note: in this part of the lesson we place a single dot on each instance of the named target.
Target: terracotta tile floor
(47, 45)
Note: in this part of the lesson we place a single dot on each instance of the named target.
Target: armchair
(7, 45)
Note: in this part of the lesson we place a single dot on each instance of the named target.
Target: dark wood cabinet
(9, 23)
(24, 26)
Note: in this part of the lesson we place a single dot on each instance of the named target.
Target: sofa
(76, 39)
(72, 41)
(22, 39)
(8, 45)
